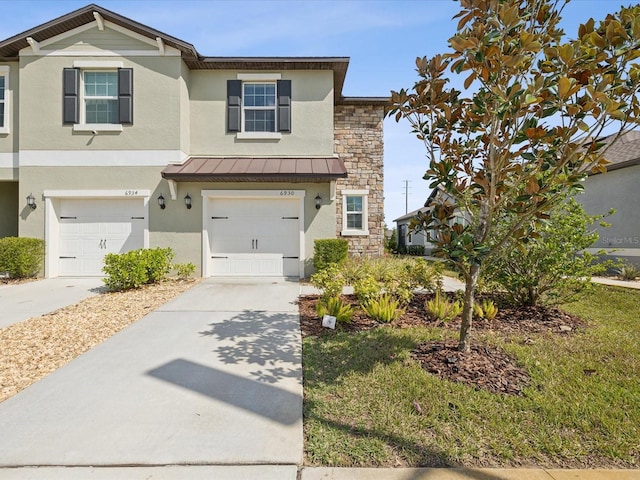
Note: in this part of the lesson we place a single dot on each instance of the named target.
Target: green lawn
(360, 391)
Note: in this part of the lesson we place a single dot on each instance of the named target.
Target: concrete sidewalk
(212, 378)
(32, 299)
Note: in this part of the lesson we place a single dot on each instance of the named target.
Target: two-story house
(115, 136)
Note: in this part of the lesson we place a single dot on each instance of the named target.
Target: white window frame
(4, 72)
(84, 97)
(273, 108)
(94, 66)
(365, 213)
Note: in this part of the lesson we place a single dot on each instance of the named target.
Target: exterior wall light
(31, 201)
(187, 201)
(318, 200)
(161, 202)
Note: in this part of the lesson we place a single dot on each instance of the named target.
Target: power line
(406, 196)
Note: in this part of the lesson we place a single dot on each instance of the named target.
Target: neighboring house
(619, 189)
(115, 136)
(407, 237)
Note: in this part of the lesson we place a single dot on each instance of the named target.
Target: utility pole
(406, 196)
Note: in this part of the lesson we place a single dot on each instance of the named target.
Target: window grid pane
(2, 114)
(101, 84)
(354, 204)
(101, 111)
(260, 121)
(354, 221)
(2, 88)
(259, 95)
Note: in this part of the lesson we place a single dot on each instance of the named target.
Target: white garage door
(91, 228)
(254, 236)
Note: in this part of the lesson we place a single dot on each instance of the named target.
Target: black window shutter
(70, 91)
(284, 105)
(125, 95)
(234, 102)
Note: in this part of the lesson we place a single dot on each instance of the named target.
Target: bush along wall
(21, 257)
(328, 251)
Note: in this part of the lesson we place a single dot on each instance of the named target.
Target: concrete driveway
(213, 377)
(32, 299)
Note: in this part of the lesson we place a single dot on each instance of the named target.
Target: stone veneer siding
(358, 140)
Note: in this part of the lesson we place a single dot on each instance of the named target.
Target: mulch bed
(483, 367)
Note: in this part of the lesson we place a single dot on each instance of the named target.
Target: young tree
(524, 134)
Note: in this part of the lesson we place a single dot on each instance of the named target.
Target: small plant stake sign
(329, 321)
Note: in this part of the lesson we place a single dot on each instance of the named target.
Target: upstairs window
(4, 97)
(259, 107)
(101, 97)
(97, 98)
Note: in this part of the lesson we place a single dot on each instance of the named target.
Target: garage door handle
(291, 257)
(253, 244)
(137, 218)
(219, 218)
(68, 218)
(291, 218)
(67, 257)
(213, 256)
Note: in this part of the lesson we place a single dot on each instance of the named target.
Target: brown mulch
(31, 349)
(483, 367)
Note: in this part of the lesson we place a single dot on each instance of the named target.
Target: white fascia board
(169, 52)
(9, 160)
(131, 193)
(97, 64)
(100, 158)
(259, 76)
(283, 193)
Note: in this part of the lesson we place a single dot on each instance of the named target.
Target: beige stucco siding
(9, 205)
(156, 111)
(9, 141)
(93, 39)
(185, 108)
(617, 189)
(311, 117)
(175, 226)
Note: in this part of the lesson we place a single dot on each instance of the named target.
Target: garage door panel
(253, 235)
(91, 228)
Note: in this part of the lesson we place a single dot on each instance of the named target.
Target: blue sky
(383, 39)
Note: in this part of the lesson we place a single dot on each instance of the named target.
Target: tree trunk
(471, 283)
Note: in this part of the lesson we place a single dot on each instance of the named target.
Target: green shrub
(124, 271)
(184, 270)
(487, 309)
(416, 250)
(384, 309)
(328, 251)
(441, 309)
(157, 263)
(353, 269)
(335, 307)
(329, 281)
(21, 257)
(136, 268)
(366, 289)
(553, 266)
(628, 271)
